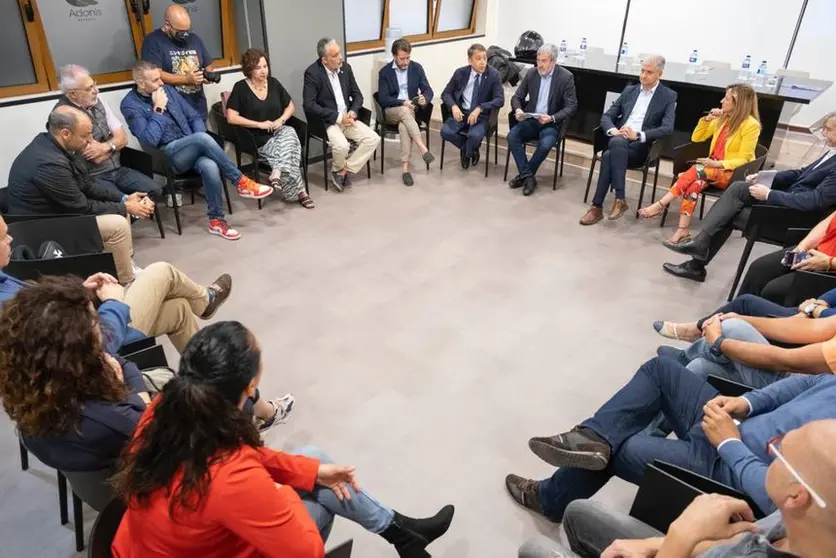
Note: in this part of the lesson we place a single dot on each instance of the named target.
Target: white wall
(813, 53)
(21, 123)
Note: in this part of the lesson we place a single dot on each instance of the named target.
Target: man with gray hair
(544, 101)
(642, 114)
(109, 137)
(332, 95)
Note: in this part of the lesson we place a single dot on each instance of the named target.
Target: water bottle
(582, 49)
(763, 73)
(692, 62)
(745, 68)
(624, 49)
(561, 51)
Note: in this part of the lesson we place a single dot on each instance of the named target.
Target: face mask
(180, 37)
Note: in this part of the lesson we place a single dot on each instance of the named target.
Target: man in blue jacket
(472, 94)
(403, 89)
(161, 118)
(807, 189)
(709, 440)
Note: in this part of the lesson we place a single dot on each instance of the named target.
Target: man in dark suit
(398, 85)
(551, 95)
(331, 93)
(471, 94)
(811, 188)
(641, 115)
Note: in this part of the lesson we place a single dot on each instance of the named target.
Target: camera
(211, 77)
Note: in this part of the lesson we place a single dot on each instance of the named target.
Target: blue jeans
(322, 504)
(528, 130)
(755, 306)
(202, 153)
(660, 385)
(475, 134)
(127, 181)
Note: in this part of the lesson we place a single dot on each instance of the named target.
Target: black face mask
(180, 37)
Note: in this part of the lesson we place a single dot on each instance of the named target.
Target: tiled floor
(427, 334)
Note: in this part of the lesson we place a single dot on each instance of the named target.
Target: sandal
(307, 202)
(668, 329)
(648, 214)
(276, 185)
(682, 239)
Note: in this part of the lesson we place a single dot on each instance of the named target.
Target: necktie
(474, 98)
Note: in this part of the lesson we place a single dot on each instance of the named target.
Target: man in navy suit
(811, 188)
(398, 85)
(551, 94)
(471, 94)
(331, 94)
(641, 115)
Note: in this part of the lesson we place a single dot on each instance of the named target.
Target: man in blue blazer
(551, 94)
(641, 115)
(812, 188)
(398, 85)
(471, 94)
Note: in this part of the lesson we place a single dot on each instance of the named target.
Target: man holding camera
(185, 61)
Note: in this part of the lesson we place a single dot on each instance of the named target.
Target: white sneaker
(178, 199)
(135, 268)
(283, 406)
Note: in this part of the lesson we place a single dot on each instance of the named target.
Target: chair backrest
(379, 116)
(752, 166)
(316, 127)
(783, 72)
(609, 99)
(769, 223)
(685, 153)
(104, 530)
(82, 266)
(91, 487)
(727, 387)
(138, 160)
(808, 284)
(138, 345)
(4, 201)
(77, 235)
(146, 359)
(341, 551)
(717, 64)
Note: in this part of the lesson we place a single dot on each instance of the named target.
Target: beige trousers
(407, 128)
(117, 239)
(165, 301)
(365, 138)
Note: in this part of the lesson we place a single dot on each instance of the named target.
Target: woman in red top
(771, 276)
(199, 482)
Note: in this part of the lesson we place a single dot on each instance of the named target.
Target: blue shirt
(180, 60)
(467, 94)
(543, 95)
(403, 81)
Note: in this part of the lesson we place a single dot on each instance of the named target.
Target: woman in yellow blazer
(734, 129)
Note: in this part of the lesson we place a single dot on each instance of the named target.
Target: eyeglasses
(772, 448)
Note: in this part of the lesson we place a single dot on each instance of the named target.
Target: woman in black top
(261, 103)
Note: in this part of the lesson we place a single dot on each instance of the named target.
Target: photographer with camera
(185, 61)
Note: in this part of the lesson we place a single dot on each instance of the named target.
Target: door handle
(30, 11)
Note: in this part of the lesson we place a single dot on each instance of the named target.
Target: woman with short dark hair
(198, 480)
(261, 103)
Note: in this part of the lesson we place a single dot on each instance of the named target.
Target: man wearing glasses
(109, 137)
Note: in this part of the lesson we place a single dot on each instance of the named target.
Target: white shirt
(467, 94)
(334, 78)
(636, 118)
(403, 81)
(831, 152)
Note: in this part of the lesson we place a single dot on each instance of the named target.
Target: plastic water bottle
(745, 69)
(561, 51)
(582, 49)
(692, 61)
(624, 49)
(763, 73)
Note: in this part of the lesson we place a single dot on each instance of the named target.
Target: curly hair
(51, 359)
(251, 58)
(196, 421)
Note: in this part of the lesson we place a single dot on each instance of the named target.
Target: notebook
(766, 177)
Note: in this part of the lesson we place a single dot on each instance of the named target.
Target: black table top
(796, 90)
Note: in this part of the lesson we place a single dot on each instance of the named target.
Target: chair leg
(589, 179)
(664, 217)
(496, 147)
(441, 164)
(78, 522)
(177, 219)
(62, 497)
(487, 156)
(228, 201)
(702, 207)
(159, 221)
(382, 151)
(325, 163)
(744, 257)
(24, 457)
(556, 164)
(507, 161)
(427, 134)
(641, 191)
(655, 182)
(369, 168)
(305, 176)
(562, 154)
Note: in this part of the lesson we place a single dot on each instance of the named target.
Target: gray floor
(427, 333)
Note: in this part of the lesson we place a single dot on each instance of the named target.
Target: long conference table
(600, 73)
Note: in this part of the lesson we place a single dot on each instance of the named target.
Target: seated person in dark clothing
(109, 137)
(50, 177)
(812, 188)
(260, 102)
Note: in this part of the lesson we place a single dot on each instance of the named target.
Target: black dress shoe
(529, 185)
(465, 160)
(580, 448)
(696, 248)
(474, 160)
(685, 271)
(516, 182)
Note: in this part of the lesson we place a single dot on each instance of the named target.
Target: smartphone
(800, 257)
(415, 100)
(788, 259)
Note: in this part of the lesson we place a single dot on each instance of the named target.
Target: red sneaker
(221, 228)
(248, 188)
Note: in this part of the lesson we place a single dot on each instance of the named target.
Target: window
(366, 21)
(105, 36)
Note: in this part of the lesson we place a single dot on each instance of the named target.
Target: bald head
(817, 462)
(70, 127)
(177, 16)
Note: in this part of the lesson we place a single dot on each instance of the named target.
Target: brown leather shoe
(592, 216)
(618, 209)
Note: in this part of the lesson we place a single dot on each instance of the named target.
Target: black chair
(141, 162)
(493, 130)
(727, 387)
(808, 284)
(423, 115)
(316, 129)
(146, 359)
(104, 529)
(138, 345)
(559, 149)
(600, 143)
(683, 158)
(91, 488)
(187, 181)
(341, 551)
(769, 224)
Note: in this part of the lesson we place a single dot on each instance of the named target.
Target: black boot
(411, 536)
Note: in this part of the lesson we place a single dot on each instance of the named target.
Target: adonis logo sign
(185, 4)
(185, 1)
(84, 11)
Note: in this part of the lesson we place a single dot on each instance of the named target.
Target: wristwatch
(809, 309)
(715, 347)
(112, 147)
(159, 109)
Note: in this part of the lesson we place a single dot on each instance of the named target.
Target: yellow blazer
(740, 146)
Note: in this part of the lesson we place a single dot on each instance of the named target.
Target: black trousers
(768, 278)
(732, 209)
